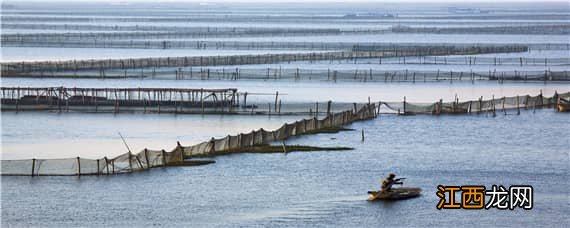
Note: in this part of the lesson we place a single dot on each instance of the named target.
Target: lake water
(66, 135)
(299, 189)
(324, 188)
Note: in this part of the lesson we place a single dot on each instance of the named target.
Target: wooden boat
(563, 105)
(395, 194)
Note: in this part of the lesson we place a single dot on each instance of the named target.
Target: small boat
(394, 194)
(562, 105)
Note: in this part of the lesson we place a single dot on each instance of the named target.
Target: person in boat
(390, 181)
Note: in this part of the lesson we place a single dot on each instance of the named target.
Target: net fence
(15, 68)
(560, 29)
(472, 60)
(258, 45)
(287, 73)
(146, 159)
(492, 105)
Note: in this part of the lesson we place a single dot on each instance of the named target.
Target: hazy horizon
(288, 1)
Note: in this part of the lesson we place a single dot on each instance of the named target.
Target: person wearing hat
(389, 181)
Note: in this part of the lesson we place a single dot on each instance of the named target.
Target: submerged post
(518, 106)
(480, 104)
(202, 99)
(503, 106)
(78, 167)
(245, 99)
(493, 103)
(404, 108)
(163, 158)
(33, 166)
(276, 97)
(107, 164)
(146, 157)
(317, 109)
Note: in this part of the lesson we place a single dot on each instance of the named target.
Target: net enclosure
(147, 159)
(502, 104)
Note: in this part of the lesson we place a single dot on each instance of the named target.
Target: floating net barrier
(260, 31)
(469, 60)
(554, 29)
(529, 46)
(349, 73)
(15, 68)
(124, 163)
(146, 159)
(174, 33)
(239, 143)
(148, 28)
(493, 105)
(192, 43)
(210, 17)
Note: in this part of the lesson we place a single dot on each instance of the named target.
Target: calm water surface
(324, 188)
(65, 135)
(316, 189)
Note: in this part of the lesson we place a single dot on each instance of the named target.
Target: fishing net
(146, 159)
(475, 106)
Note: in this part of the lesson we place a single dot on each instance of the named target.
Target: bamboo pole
(146, 157)
(78, 167)
(163, 158)
(518, 106)
(276, 97)
(107, 164)
(33, 166)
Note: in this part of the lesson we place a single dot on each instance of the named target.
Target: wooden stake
(163, 158)
(107, 164)
(276, 97)
(78, 167)
(518, 106)
(146, 157)
(33, 166)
